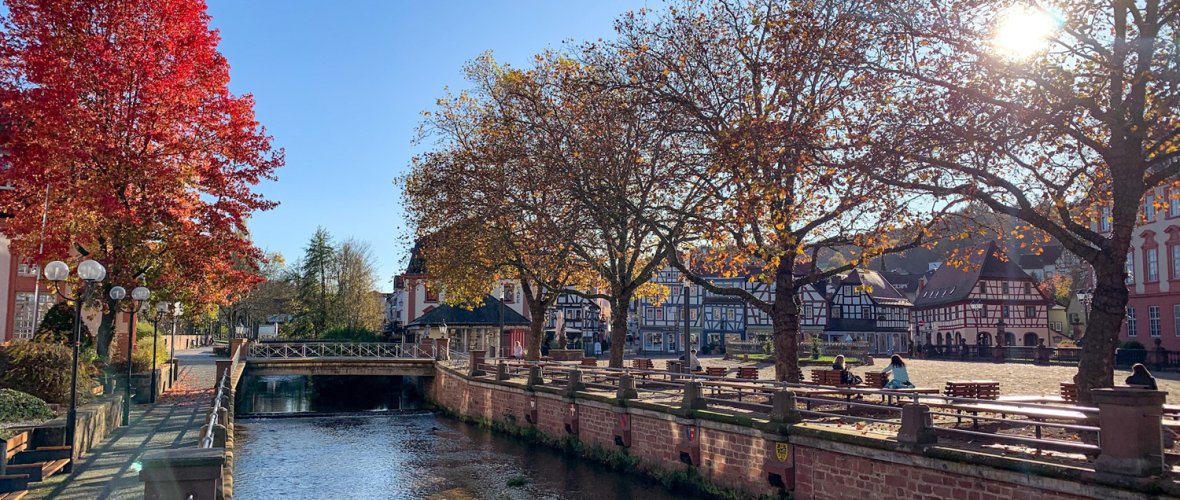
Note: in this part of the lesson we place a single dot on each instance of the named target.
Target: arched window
(939, 338)
(1030, 339)
(1009, 338)
(984, 339)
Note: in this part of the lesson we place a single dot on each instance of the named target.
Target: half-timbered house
(864, 307)
(982, 298)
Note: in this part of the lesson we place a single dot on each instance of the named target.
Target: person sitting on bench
(846, 377)
(899, 378)
(1140, 377)
(694, 364)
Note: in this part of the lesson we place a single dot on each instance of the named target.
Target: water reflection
(411, 456)
(334, 394)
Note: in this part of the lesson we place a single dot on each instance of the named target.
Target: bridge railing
(296, 350)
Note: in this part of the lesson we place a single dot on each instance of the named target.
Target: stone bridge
(343, 358)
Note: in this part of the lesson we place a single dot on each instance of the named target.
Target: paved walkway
(111, 471)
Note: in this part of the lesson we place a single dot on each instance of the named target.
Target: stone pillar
(783, 409)
(535, 377)
(476, 357)
(233, 347)
(222, 367)
(693, 399)
(917, 425)
(502, 371)
(627, 388)
(1130, 431)
(182, 473)
(575, 384)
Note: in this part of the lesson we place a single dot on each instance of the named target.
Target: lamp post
(174, 308)
(501, 311)
(685, 368)
(138, 294)
(1086, 297)
(161, 310)
(91, 272)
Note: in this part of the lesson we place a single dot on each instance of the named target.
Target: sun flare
(1023, 31)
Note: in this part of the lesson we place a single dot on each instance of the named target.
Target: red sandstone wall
(729, 458)
(826, 474)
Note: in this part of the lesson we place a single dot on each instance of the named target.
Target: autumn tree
(483, 205)
(356, 304)
(1059, 113)
(120, 112)
(778, 94)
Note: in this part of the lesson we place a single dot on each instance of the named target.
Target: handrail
(208, 439)
(302, 350)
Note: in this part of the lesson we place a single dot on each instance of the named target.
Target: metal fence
(289, 350)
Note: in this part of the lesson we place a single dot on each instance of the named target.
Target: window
(982, 311)
(659, 314)
(1149, 207)
(1173, 204)
(1174, 250)
(509, 293)
(431, 294)
(1131, 326)
(26, 269)
(1130, 269)
(24, 324)
(1028, 288)
(836, 311)
(1030, 311)
(1004, 288)
(982, 287)
(649, 313)
(1104, 219)
(573, 314)
(1151, 260)
(1006, 311)
(1176, 319)
(1153, 320)
(1075, 318)
(866, 312)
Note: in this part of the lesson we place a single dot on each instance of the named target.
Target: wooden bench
(876, 380)
(589, 361)
(24, 465)
(642, 364)
(747, 373)
(973, 389)
(1069, 392)
(827, 377)
(716, 371)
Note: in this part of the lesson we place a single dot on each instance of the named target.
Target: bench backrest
(748, 372)
(973, 390)
(589, 362)
(826, 377)
(15, 444)
(716, 371)
(641, 364)
(1069, 392)
(876, 379)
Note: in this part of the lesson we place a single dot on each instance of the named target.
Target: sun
(1023, 31)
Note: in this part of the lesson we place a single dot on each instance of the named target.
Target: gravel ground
(1014, 378)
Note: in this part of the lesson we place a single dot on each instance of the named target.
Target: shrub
(346, 334)
(58, 327)
(141, 356)
(42, 370)
(16, 406)
(1132, 345)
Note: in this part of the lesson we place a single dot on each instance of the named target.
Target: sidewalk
(111, 471)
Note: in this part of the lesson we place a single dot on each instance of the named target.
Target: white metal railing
(296, 350)
(211, 420)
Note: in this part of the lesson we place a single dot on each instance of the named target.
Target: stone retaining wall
(96, 421)
(731, 451)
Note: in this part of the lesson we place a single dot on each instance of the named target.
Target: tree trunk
(1109, 307)
(785, 317)
(618, 331)
(106, 327)
(537, 310)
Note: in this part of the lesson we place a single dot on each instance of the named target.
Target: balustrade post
(917, 425)
(627, 387)
(182, 473)
(693, 400)
(1130, 430)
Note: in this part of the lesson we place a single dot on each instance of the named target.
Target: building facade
(1153, 272)
(864, 307)
(982, 299)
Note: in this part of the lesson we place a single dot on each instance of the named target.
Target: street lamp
(161, 310)
(175, 309)
(138, 294)
(1086, 297)
(685, 368)
(90, 272)
(501, 311)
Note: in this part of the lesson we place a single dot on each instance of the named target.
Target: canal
(377, 442)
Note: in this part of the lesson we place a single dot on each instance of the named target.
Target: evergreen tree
(317, 281)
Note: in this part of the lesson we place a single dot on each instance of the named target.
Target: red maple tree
(117, 116)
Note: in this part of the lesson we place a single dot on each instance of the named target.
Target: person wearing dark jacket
(1140, 377)
(846, 376)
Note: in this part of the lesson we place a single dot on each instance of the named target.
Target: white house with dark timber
(865, 307)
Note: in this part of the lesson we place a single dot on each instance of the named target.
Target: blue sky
(340, 85)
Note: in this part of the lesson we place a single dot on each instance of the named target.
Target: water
(412, 454)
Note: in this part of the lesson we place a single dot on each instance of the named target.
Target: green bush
(16, 406)
(345, 334)
(1132, 345)
(58, 327)
(43, 370)
(141, 356)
